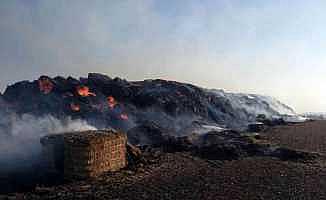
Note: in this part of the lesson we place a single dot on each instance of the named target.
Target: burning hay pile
(86, 154)
(105, 102)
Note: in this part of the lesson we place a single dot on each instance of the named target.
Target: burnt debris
(117, 103)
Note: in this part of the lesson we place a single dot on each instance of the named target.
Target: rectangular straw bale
(91, 153)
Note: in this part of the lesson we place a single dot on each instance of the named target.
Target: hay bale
(53, 153)
(86, 154)
(91, 153)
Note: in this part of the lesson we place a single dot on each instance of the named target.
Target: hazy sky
(269, 47)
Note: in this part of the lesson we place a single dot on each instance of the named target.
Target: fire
(75, 107)
(45, 85)
(124, 117)
(84, 91)
(112, 102)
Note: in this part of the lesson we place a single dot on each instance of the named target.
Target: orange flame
(112, 102)
(124, 117)
(45, 85)
(84, 91)
(75, 107)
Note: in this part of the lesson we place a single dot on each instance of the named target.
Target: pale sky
(271, 47)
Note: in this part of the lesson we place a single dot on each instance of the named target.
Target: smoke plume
(21, 148)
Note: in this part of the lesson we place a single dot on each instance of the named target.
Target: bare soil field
(181, 176)
(309, 136)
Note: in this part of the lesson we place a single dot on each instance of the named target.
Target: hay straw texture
(89, 154)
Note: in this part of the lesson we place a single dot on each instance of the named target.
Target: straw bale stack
(52, 153)
(88, 154)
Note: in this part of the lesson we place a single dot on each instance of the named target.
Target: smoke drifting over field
(20, 148)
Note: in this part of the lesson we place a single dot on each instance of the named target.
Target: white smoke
(21, 148)
(30, 126)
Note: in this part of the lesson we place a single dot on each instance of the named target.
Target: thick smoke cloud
(21, 148)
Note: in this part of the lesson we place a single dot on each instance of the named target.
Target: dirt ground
(182, 176)
(309, 136)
